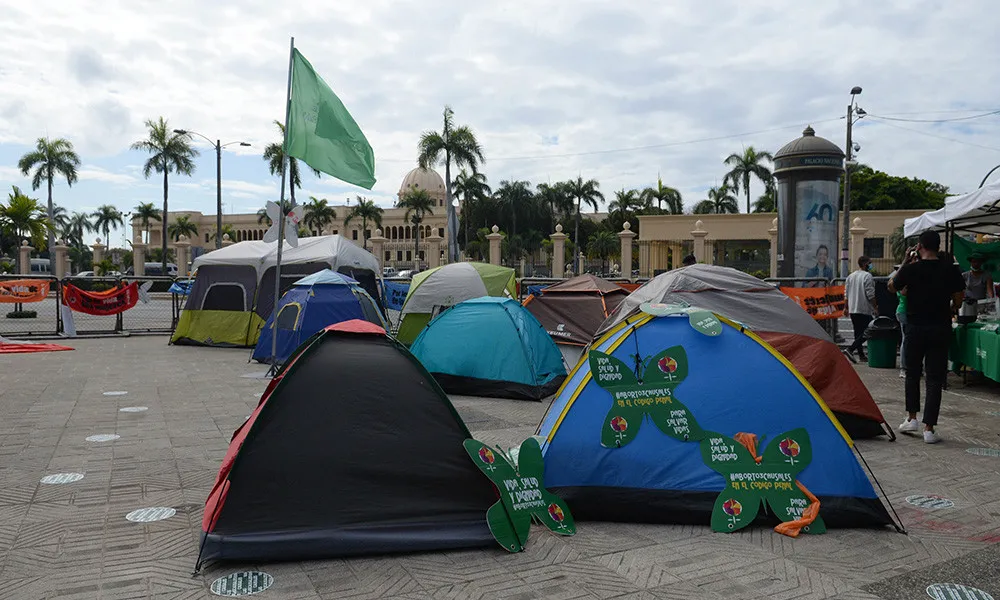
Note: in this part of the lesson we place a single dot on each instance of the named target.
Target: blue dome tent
(633, 432)
(490, 346)
(312, 303)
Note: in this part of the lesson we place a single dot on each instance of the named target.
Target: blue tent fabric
(312, 303)
(394, 294)
(491, 346)
(180, 287)
(734, 384)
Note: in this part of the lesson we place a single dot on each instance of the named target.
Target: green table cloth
(977, 346)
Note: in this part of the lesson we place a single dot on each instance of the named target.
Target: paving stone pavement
(72, 541)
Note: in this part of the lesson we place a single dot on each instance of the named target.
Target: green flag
(322, 133)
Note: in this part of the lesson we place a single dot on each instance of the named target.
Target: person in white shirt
(861, 303)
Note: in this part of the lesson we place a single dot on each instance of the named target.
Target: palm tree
(514, 194)
(146, 212)
(557, 199)
(76, 226)
(746, 166)
(227, 229)
(105, 217)
(366, 210)
(24, 217)
(418, 203)
(182, 226)
(50, 158)
(171, 152)
(274, 155)
(626, 202)
(768, 201)
(583, 191)
(318, 214)
(663, 193)
(720, 201)
(472, 189)
(60, 218)
(286, 206)
(603, 244)
(453, 144)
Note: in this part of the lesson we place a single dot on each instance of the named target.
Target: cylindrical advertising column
(808, 172)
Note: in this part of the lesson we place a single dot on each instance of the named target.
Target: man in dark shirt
(934, 289)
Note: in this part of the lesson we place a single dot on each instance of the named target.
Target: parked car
(388, 271)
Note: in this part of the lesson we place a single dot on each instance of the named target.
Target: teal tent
(490, 347)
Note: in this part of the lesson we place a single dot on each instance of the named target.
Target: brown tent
(572, 310)
(776, 318)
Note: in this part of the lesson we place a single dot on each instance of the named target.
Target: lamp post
(218, 179)
(845, 252)
(983, 182)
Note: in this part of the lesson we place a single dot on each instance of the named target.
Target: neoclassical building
(399, 246)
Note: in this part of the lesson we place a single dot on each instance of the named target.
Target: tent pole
(281, 215)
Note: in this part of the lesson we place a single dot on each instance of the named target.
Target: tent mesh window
(225, 296)
(288, 316)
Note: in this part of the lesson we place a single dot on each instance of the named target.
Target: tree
(720, 201)
(49, 159)
(745, 167)
(626, 204)
(286, 207)
(274, 155)
(514, 195)
(875, 190)
(24, 217)
(227, 229)
(105, 217)
(76, 227)
(182, 226)
(170, 152)
(318, 214)
(60, 218)
(603, 245)
(366, 210)
(584, 192)
(473, 190)
(768, 201)
(146, 212)
(557, 199)
(453, 145)
(418, 203)
(662, 193)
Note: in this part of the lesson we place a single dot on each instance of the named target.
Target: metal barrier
(47, 321)
(830, 326)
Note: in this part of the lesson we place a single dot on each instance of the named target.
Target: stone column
(772, 235)
(857, 241)
(183, 247)
(644, 270)
(626, 235)
(558, 252)
(58, 259)
(494, 239)
(98, 249)
(698, 235)
(579, 262)
(139, 256)
(24, 258)
(434, 250)
(378, 244)
(227, 241)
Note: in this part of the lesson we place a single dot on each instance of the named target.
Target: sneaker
(850, 355)
(902, 373)
(931, 437)
(909, 426)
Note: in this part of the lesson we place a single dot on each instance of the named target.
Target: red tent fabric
(12, 347)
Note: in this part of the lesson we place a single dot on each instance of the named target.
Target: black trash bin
(883, 336)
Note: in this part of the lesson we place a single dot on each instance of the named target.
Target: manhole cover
(148, 515)
(930, 502)
(62, 478)
(134, 409)
(954, 591)
(115, 393)
(243, 583)
(103, 437)
(984, 451)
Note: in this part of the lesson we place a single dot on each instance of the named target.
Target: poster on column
(816, 230)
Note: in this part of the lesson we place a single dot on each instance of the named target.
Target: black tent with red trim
(353, 449)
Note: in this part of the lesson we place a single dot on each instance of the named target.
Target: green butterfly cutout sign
(748, 484)
(633, 399)
(523, 496)
(703, 321)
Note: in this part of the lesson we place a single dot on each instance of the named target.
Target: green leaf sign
(522, 494)
(653, 396)
(703, 321)
(748, 484)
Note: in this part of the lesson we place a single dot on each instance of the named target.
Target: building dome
(423, 179)
(809, 143)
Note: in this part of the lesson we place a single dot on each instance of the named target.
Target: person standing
(978, 284)
(934, 290)
(861, 305)
(911, 256)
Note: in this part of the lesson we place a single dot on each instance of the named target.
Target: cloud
(93, 173)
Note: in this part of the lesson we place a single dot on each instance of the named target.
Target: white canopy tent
(334, 250)
(975, 212)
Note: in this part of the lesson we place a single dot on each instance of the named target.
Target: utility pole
(218, 194)
(845, 234)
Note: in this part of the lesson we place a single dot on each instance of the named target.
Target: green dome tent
(442, 287)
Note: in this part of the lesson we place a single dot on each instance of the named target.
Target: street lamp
(845, 254)
(218, 179)
(983, 182)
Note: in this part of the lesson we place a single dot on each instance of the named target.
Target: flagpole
(281, 215)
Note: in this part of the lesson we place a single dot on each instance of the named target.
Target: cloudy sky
(553, 88)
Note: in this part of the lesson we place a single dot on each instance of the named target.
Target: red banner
(110, 302)
(820, 302)
(23, 290)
